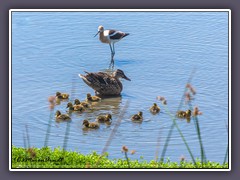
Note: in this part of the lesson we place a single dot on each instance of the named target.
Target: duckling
(92, 98)
(188, 113)
(84, 104)
(137, 117)
(181, 114)
(154, 109)
(60, 116)
(92, 125)
(75, 107)
(184, 114)
(105, 118)
(62, 95)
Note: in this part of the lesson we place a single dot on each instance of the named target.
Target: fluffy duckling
(75, 107)
(60, 116)
(184, 114)
(92, 98)
(181, 114)
(154, 109)
(137, 117)
(84, 104)
(105, 118)
(92, 125)
(188, 113)
(62, 95)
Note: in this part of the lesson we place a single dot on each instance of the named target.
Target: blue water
(50, 49)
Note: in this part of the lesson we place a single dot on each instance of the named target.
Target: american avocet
(104, 83)
(110, 37)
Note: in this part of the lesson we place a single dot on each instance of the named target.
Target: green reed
(173, 124)
(180, 132)
(196, 123)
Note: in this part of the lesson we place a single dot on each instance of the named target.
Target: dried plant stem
(122, 113)
(115, 128)
(185, 89)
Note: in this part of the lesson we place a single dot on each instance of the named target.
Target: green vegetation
(58, 158)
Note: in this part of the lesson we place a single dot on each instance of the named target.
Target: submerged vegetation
(59, 158)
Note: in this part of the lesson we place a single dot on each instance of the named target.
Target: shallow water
(50, 49)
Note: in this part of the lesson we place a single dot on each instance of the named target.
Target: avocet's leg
(112, 55)
(111, 65)
(113, 50)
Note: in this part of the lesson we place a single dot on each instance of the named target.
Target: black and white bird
(110, 37)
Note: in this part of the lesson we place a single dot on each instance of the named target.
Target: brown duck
(104, 83)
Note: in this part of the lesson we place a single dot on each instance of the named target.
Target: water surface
(50, 49)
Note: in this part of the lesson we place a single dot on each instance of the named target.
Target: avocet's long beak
(125, 77)
(97, 33)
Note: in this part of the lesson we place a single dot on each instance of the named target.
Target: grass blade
(180, 132)
(173, 124)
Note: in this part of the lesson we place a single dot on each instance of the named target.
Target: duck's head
(120, 74)
(100, 29)
(69, 105)
(58, 94)
(188, 112)
(85, 123)
(58, 113)
(109, 116)
(140, 113)
(89, 95)
(154, 104)
(76, 101)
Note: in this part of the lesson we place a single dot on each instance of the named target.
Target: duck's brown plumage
(137, 117)
(91, 125)
(184, 114)
(154, 109)
(72, 107)
(105, 118)
(84, 104)
(60, 116)
(62, 95)
(105, 83)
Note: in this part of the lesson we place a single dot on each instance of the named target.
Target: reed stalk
(196, 123)
(113, 132)
(181, 134)
(173, 124)
(126, 156)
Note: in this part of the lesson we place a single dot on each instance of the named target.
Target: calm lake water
(50, 49)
